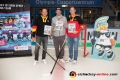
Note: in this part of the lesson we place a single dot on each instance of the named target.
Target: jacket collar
(60, 16)
(75, 15)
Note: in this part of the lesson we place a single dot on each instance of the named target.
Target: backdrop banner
(65, 3)
(15, 30)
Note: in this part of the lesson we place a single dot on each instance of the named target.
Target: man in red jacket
(73, 31)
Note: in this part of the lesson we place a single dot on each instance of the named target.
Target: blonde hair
(72, 7)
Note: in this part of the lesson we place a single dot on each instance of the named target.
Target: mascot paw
(112, 42)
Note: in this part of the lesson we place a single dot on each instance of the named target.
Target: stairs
(109, 10)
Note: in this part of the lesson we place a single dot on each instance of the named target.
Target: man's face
(44, 12)
(58, 12)
(72, 10)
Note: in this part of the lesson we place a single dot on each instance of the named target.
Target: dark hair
(44, 8)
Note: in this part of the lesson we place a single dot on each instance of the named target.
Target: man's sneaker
(62, 60)
(44, 61)
(74, 62)
(69, 60)
(35, 62)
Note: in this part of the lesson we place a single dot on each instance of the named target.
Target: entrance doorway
(89, 16)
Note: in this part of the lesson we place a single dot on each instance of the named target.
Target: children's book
(71, 27)
(47, 29)
(59, 25)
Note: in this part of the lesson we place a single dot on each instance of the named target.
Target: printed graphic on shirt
(59, 25)
(71, 27)
(47, 30)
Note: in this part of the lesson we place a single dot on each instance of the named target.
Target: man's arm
(80, 21)
(65, 26)
(65, 23)
(53, 25)
(34, 29)
(50, 23)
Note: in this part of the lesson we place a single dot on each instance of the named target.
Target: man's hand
(54, 29)
(83, 26)
(33, 38)
(75, 32)
(50, 32)
(66, 36)
(63, 22)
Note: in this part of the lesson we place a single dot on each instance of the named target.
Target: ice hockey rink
(21, 68)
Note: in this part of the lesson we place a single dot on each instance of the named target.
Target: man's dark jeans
(44, 41)
(58, 42)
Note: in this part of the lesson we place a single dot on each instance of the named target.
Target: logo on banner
(2, 42)
(17, 48)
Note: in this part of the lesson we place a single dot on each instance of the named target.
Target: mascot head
(101, 24)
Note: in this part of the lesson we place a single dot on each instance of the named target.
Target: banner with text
(66, 3)
(115, 32)
(15, 30)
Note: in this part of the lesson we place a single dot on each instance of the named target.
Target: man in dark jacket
(38, 33)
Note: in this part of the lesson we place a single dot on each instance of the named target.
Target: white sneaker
(69, 60)
(74, 62)
(35, 62)
(62, 60)
(44, 61)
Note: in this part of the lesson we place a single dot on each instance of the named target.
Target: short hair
(44, 8)
(72, 7)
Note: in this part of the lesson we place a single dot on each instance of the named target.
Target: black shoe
(101, 54)
(110, 55)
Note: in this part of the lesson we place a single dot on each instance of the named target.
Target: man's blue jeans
(73, 45)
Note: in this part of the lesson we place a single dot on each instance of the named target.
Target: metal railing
(115, 4)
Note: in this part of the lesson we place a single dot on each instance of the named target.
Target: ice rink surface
(21, 68)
